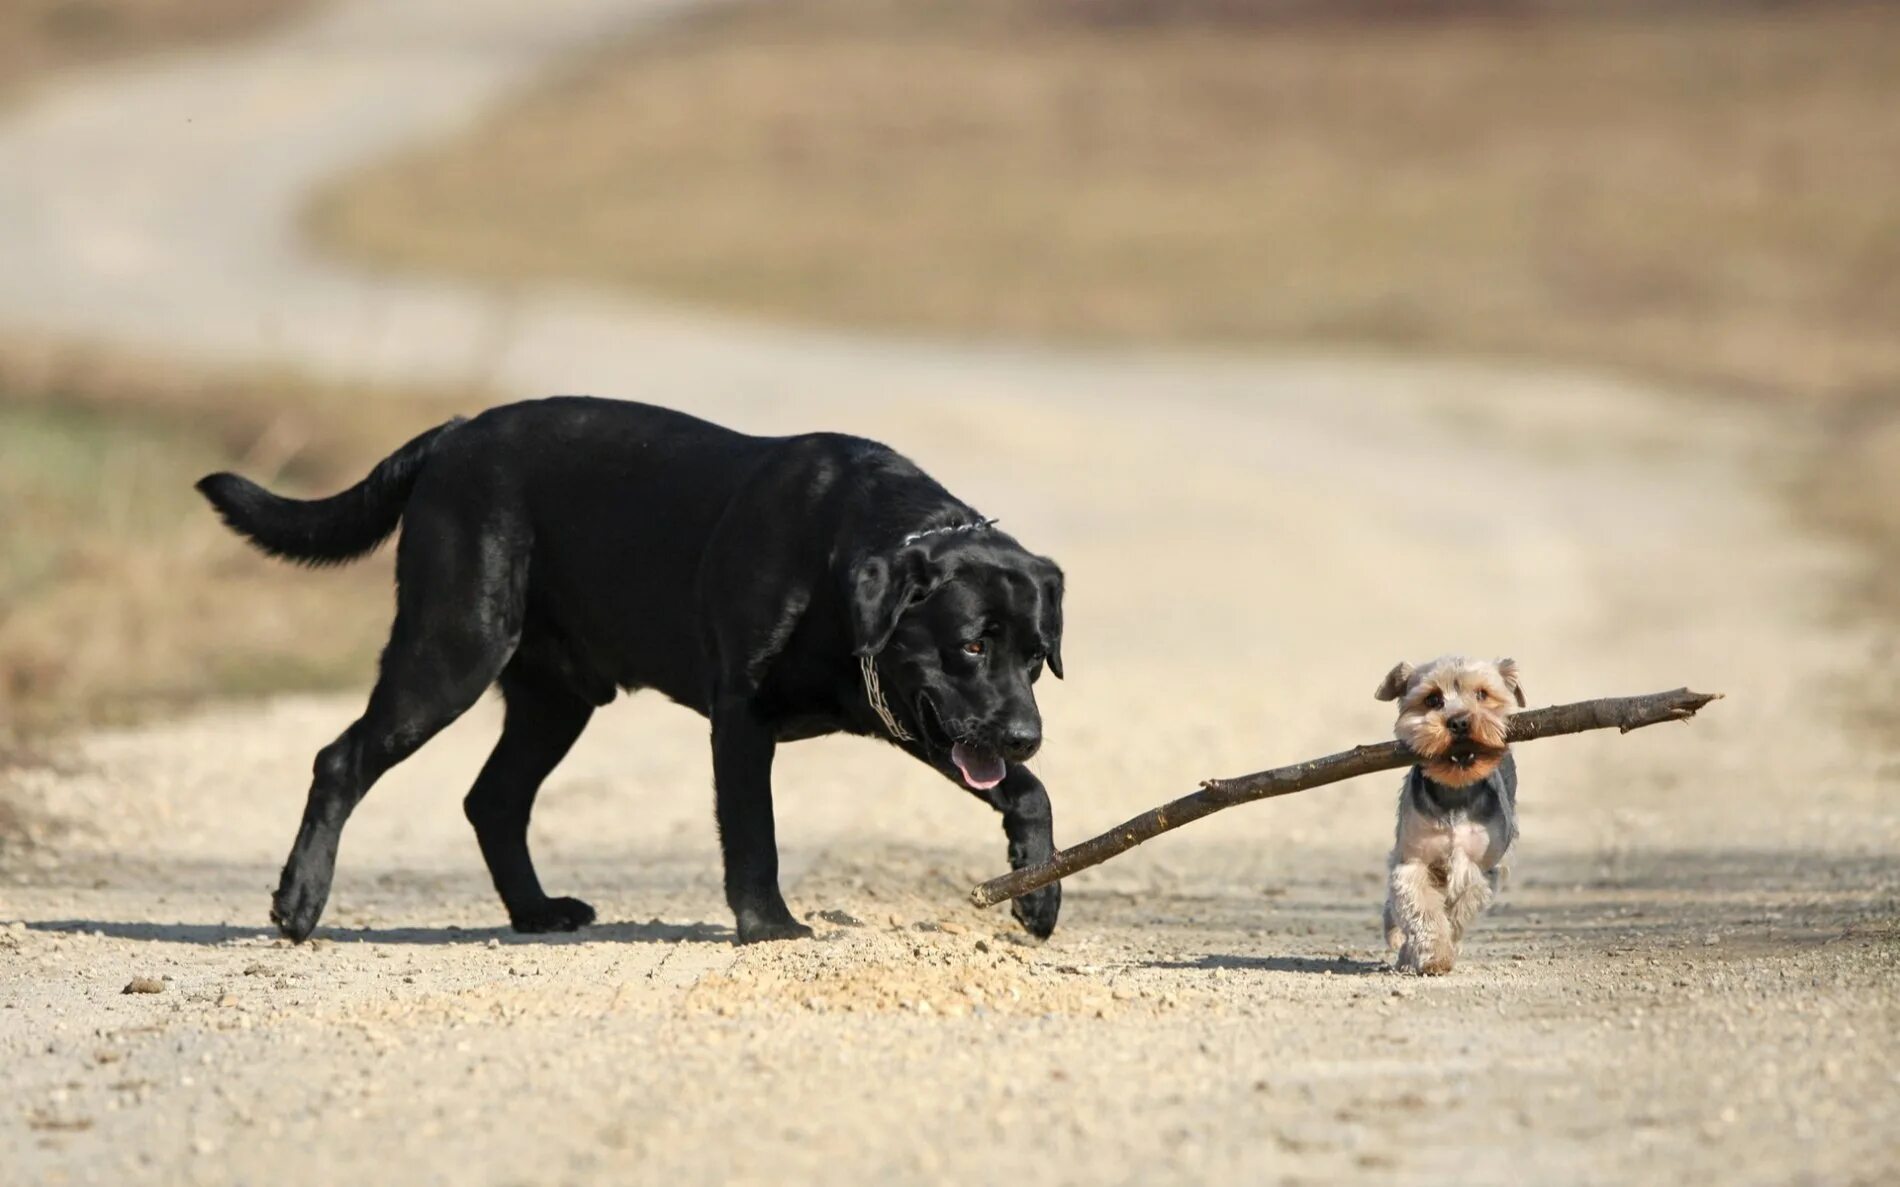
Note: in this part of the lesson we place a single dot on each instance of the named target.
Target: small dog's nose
(1021, 740)
(1458, 725)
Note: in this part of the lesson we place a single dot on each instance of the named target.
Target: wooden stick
(1620, 713)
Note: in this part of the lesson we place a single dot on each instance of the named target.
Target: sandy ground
(1692, 978)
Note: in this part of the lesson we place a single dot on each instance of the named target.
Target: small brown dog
(1458, 808)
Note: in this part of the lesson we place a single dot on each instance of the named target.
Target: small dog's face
(1454, 713)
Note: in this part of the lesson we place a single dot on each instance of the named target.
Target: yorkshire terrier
(1458, 808)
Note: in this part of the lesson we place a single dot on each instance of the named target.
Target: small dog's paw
(555, 914)
(1038, 909)
(1433, 964)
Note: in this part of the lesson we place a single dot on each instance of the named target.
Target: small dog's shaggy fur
(1458, 808)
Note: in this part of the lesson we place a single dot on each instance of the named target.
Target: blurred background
(1308, 335)
(1700, 195)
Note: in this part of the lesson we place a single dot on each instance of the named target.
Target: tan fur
(1430, 842)
(1437, 883)
(1467, 894)
(1488, 693)
(1417, 920)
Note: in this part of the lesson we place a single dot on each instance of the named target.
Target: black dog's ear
(1393, 686)
(1049, 620)
(882, 588)
(1507, 668)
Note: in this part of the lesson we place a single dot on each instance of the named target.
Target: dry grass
(90, 622)
(119, 591)
(41, 37)
(1707, 197)
(1710, 195)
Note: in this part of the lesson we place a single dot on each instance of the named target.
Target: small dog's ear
(1507, 668)
(1393, 686)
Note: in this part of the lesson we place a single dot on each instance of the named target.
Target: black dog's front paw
(298, 904)
(755, 927)
(555, 914)
(759, 933)
(1038, 909)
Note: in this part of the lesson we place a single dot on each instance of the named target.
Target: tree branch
(1619, 713)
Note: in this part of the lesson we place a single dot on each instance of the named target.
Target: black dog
(784, 587)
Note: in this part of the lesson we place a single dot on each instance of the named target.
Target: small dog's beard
(1476, 769)
(1448, 759)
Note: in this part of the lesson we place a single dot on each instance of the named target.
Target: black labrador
(784, 587)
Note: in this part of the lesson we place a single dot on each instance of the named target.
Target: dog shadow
(1338, 966)
(218, 934)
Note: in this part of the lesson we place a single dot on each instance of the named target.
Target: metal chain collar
(978, 526)
(873, 688)
(874, 693)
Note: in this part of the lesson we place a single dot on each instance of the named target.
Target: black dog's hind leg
(457, 618)
(1030, 827)
(543, 721)
(405, 710)
(743, 747)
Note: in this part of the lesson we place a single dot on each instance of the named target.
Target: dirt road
(1692, 978)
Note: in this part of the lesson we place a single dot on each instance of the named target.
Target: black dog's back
(527, 484)
(548, 471)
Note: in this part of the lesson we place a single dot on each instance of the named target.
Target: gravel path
(1692, 977)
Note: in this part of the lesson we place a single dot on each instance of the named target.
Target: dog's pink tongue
(981, 771)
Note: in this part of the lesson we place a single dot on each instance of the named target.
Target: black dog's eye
(975, 647)
(1435, 701)
(1482, 695)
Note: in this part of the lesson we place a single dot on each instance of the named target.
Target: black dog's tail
(330, 531)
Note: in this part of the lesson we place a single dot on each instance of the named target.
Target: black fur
(569, 548)
(332, 531)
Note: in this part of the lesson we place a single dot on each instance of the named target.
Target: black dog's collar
(978, 526)
(873, 688)
(874, 693)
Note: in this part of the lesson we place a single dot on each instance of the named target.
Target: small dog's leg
(1419, 898)
(1467, 894)
(1394, 928)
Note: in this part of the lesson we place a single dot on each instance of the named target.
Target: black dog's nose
(1021, 740)
(1458, 725)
